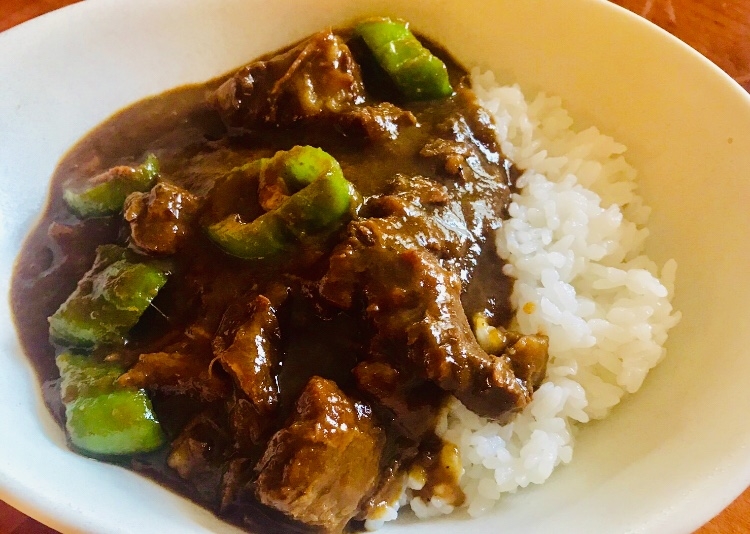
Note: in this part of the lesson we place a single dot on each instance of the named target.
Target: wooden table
(718, 29)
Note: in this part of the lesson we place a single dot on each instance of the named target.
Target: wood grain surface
(718, 29)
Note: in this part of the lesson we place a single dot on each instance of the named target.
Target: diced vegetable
(417, 73)
(122, 422)
(299, 166)
(105, 193)
(265, 236)
(82, 376)
(109, 299)
(102, 417)
(320, 201)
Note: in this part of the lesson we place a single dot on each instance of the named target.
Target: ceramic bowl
(667, 460)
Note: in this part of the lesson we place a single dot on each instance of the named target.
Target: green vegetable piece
(82, 376)
(320, 206)
(321, 202)
(265, 236)
(417, 73)
(299, 166)
(121, 422)
(109, 299)
(105, 193)
(103, 417)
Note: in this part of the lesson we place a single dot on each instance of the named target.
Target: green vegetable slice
(109, 299)
(417, 73)
(263, 237)
(82, 376)
(316, 200)
(101, 417)
(121, 422)
(105, 193)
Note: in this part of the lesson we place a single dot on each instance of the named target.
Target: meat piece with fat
(176, 373)
(317, 77)
(380, 122)
(320, 467)
(160, 220)
(415, 307)
(250, 354)
(413, 401)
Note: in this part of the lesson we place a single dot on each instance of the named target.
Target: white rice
(574, 244)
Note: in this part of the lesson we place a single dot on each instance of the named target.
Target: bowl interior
(668, 458)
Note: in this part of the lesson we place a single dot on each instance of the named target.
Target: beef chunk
(414, 402)
(478, 177)
(250, 354)
(415, 303)
(418, 213)
(529, 355)
(319, 468)
(198, 452)
(466, 142)
(176, 373)
(317, 77)
(160, 219)
(390, 487)
(238, 473)
(381, 122)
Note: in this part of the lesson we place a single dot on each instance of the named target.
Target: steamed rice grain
(574, 245)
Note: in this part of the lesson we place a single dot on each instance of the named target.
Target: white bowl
(667, 460)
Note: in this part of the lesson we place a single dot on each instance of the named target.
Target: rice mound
(574, 244)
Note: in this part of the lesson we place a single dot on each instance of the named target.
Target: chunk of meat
(466, 142)
(317, 77)
(414, 402)
(419, 213)
(238, 473)
(529, 355)
(319, 468)
(250, 354)
(381, 122)
(198, 451)
(478, 177)
(176, 373)
(160, 220)
(390, 487)
(415, 306)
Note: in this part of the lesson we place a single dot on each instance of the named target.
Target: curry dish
(259, 290)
